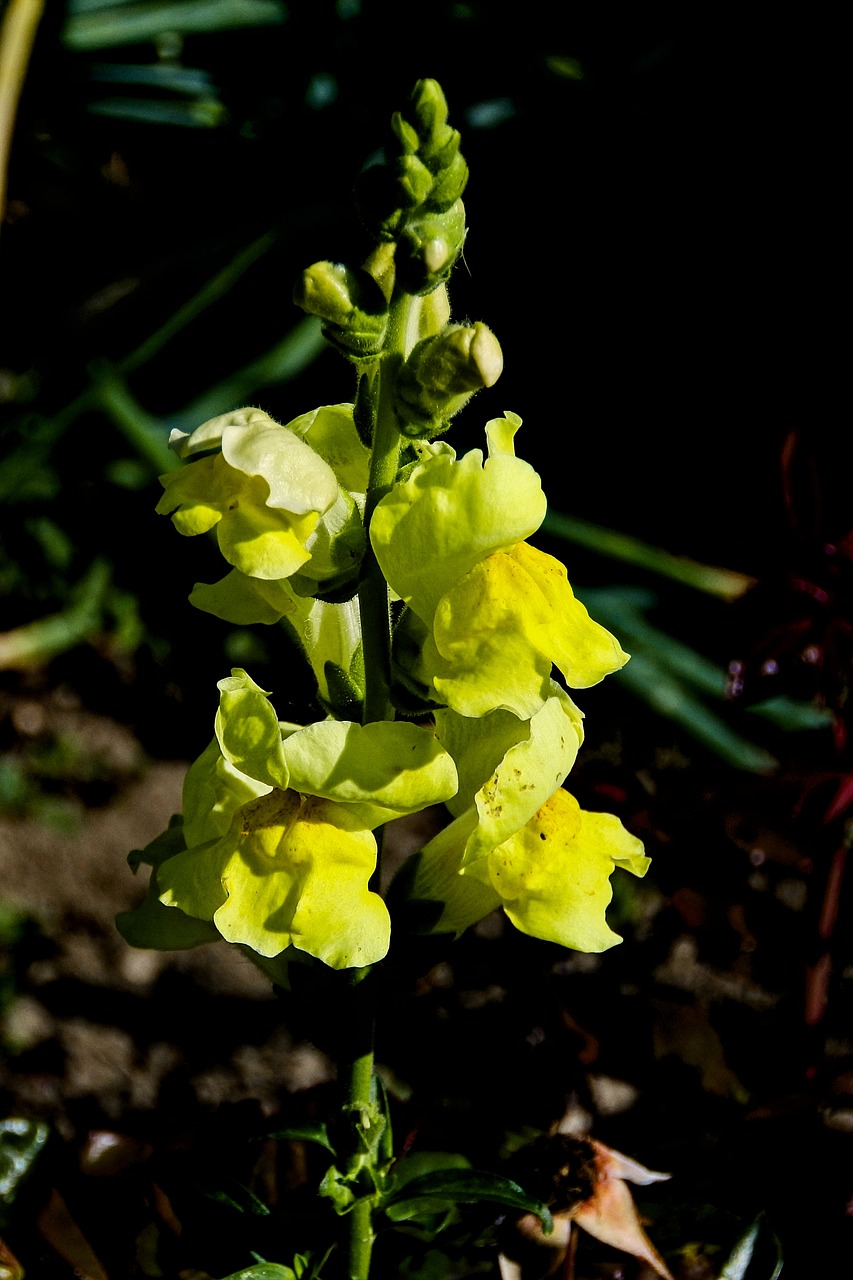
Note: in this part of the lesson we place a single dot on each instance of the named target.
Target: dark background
(653, 212)
(654, 217)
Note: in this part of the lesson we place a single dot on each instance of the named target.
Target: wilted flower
(583, 1182)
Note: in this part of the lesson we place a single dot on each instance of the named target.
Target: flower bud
(406, 135)
(352, 304)
(424, 172)
(429, 107)
(413, 181)
(449, 185)
(428, 248)
(441, 375)
(380, 266)
(325, 290)
(441, 149)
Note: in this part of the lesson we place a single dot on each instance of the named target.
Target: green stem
(374, 608)
(385, 459)
(360, 1218)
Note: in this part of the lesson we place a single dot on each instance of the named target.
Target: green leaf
(112, 25)
(302, 1133)
(203, 113)
(175, 79)
(421, 1163)
(725, 583)
(462, 1186)
(645, 677)
(418, 1165)
(155, 927)
(384, 1149)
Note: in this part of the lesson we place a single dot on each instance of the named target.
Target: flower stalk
(433, 628)
(375, 612)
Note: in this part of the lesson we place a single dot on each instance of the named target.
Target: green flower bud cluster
(413, 198)
(411, 205)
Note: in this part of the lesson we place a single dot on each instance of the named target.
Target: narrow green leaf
(669, 697)
(203, 113)
(793, 715)
(284, 361)
(462, 1186)
(118, 24)
(726, 583)
(163, 75)
(302, 1133)
(33, 643)
(418, 1165)
(740, 1257)
(379, 1098)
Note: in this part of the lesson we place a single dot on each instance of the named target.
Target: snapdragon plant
(433, 628)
